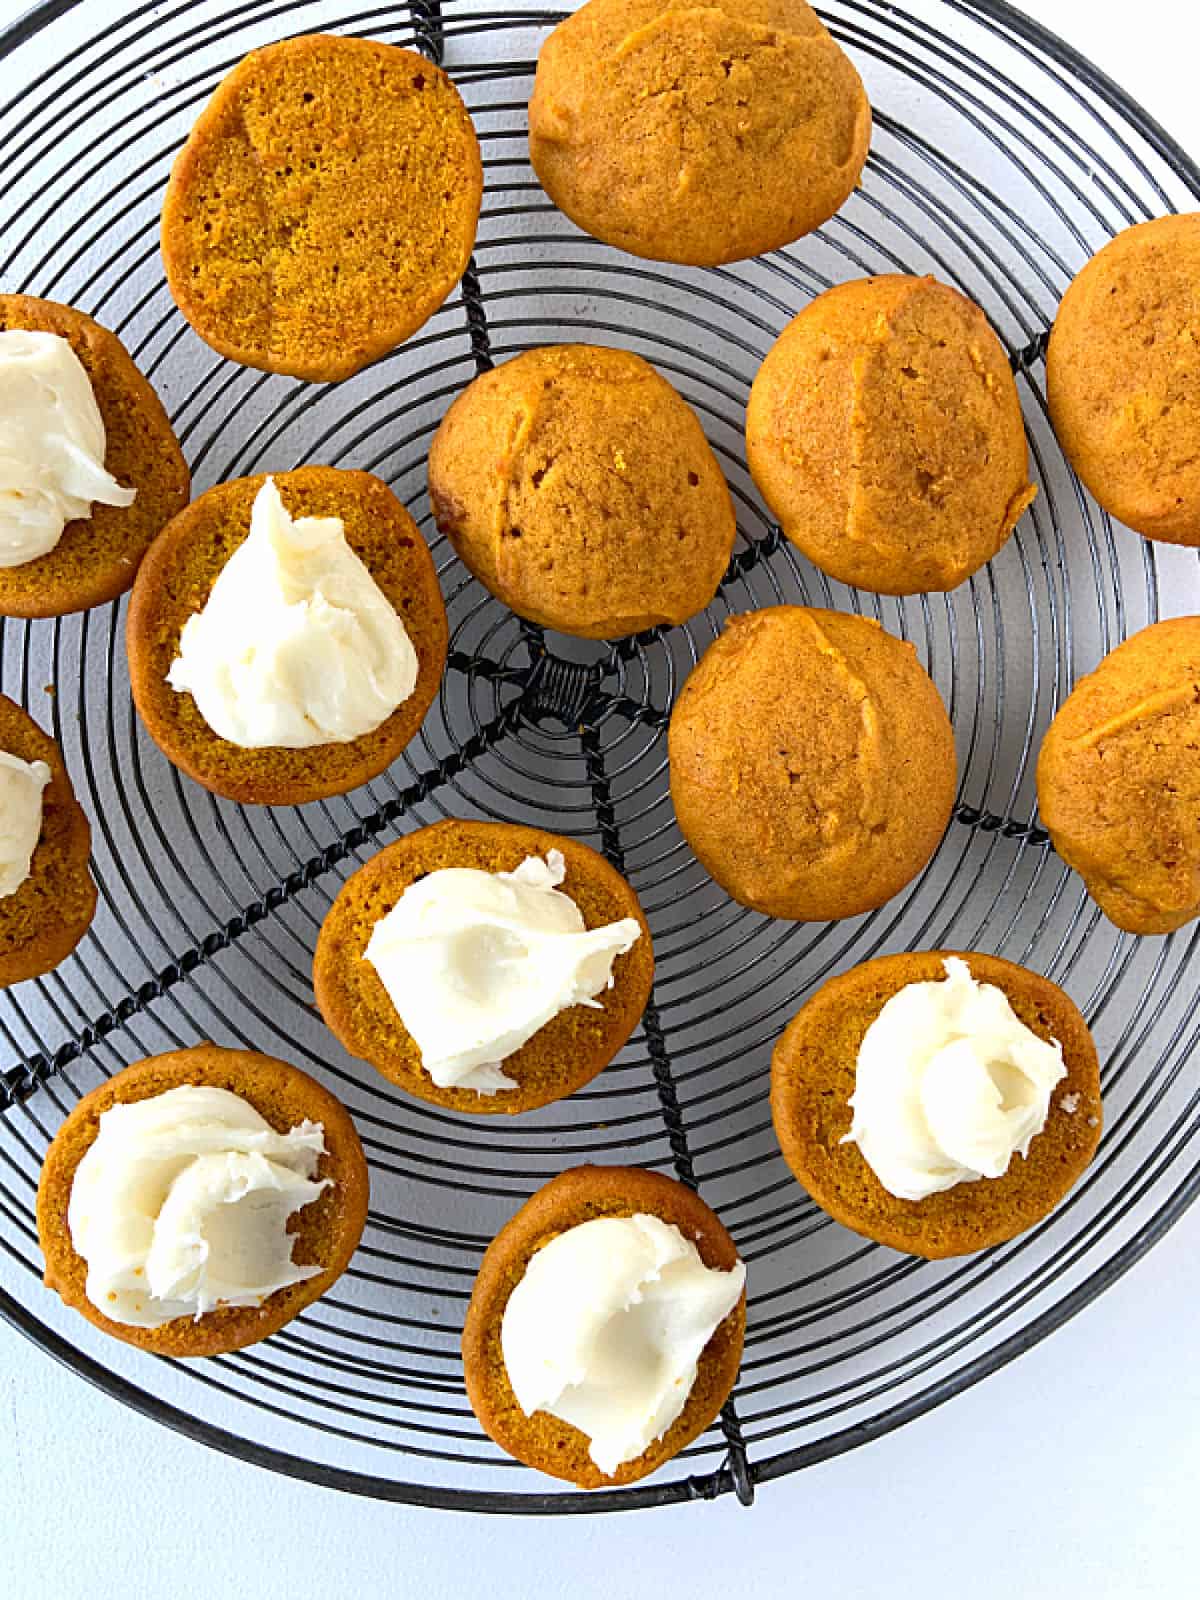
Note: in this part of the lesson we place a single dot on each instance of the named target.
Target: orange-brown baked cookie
(43, 921)
(578, 486)
(97, 557)
(323, 207)
(561, 1057)
(813, 1073)
(1118, 779)
(573, 1197)
(698, 133)
(884, 431)
(1123, 378)
(812, 763)
(327, 1231)
(176, 580)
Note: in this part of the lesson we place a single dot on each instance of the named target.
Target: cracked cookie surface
(697, 133)
(1123, 377)
(578, 486)
(323, 207)
(812, 763)
(884, 430)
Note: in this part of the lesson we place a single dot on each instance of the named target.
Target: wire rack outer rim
(1017, 23)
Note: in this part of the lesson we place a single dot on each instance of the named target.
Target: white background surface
(1070, 1473)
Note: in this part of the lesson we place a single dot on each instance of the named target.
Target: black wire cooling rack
(1000, 161)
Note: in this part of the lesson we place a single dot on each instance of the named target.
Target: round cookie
(1118, 779)
(813, 1073)
(327, 1231)
(697, 133)
(884, 431)
(1123, 380)
(323, 207)
(561, 1057)
(812, 763)
(580, 1195)
(97, 557)
(176, 579)
(578, 486)
(52, 910)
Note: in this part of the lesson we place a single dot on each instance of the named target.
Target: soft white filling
(52, 445)
(297, 645)
(606, 1328)
(950, 1085)
(21, 786)
(181, 1204)
(476, 962)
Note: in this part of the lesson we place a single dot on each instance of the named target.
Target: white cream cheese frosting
(607, 1326)
(297, 645)
(52, 445)
(950, 1085)
(21, 786)
(181, 1204)
(476, 962)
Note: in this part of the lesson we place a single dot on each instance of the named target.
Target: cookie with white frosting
(286, 635)
(937, 1103)
(47, 896)
(652, 1312)
(91, 467)
(199, 1200)
(485, 966)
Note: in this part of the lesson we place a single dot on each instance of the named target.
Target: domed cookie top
(818, 1065)
(82, 559)
(50, 907)
(1123, 377)
(579, 487)
(564, 1053)
(1118, 779)
(323, 207)
(697, 133)
(812, 763)
(884, 430)
(576, 1197)
(325, 1228)
(289, 739)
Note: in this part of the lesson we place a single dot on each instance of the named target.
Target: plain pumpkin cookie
(1123, 377)
(697, 133)
(326, 1232)
(574, 1197)
(323, 207)
(884, 430)
(45, 918)
(1118, 779)
(814, 1072)
(561, 1056)
(176, 580)
(578, 486)
(812, 763)
(97, 557)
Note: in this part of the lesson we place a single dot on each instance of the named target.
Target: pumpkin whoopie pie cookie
(1123, 380)
(199, 1200)
(937, 1103)
(577, 485)
(287, 635)
(884, 430)
(484, 966)
(699, 133)
(323, 207)
(812, 763)
(1118, 779)
(596, 1248)
(99, 469)
(47, 897)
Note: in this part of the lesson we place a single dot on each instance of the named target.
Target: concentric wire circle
(1001, 160)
